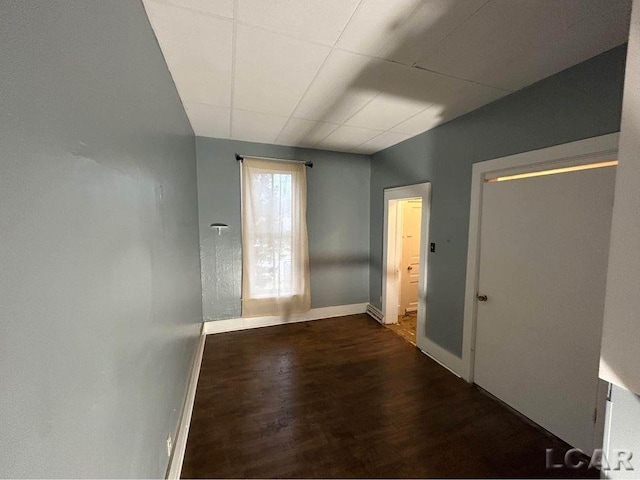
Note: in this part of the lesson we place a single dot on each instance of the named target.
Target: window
(275, 263)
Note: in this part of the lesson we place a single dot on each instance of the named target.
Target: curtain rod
(239, 158)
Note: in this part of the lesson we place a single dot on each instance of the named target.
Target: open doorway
(407, 231)
(404, 275)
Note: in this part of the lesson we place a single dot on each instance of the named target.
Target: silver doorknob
(482, 298)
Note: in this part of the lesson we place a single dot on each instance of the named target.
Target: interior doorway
(407, 231)
(404, 275)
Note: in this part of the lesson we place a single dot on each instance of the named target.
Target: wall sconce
(219, 227)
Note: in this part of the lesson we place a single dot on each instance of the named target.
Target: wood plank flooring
(349, 398)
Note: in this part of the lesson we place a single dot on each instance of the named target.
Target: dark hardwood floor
(347, 397)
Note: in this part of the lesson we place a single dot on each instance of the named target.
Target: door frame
(390, 252)
(590, 150)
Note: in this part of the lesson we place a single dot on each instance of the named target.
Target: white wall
(620, 360)
(621, 334)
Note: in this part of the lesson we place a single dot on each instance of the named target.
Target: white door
(410, 263)
(543, 261)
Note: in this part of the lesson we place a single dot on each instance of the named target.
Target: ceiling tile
(401, 81)
(406, 91)
(403, 30)
(511, 44)
(423, 121)
(386, 111)
(382, 141)
(335, 94)
(305, 132)
(346, 138)
(197, 49)
(273, 71)
(466, 97)
(399, 66)
(313, 20)
(208, 120)
(223, 8)
(256, 127)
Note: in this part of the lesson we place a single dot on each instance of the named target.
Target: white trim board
(589, 150)
(235, 324)
(180, 440)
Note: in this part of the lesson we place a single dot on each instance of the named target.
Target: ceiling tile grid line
(234, 42)
(288, 135)
(345, 122)
(273, 71)
(318, 73)
(372, 57)
(236, 21)
(305, 93)
(316, 21)
(348, 22)
(391, 129)
(235, 18)
(456, 28)
(469, 80)
(370, 140)
(361, 75)
(186, 6)
(270, 30)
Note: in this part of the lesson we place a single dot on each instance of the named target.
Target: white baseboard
(234, 324)
(375, 313)
(180, 442)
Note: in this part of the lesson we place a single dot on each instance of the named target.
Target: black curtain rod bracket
(240, 158)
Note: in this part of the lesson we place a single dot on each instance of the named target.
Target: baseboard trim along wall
(180, 441)
(376, 314)
(235, 324)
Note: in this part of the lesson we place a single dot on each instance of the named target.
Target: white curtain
(275, 258)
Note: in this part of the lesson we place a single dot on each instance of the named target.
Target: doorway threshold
(406, 327)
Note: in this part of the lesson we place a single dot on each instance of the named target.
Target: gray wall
(581, 102)
(99, 267)
(337, 221)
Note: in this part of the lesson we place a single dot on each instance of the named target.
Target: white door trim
(590, 150)
(389, 260)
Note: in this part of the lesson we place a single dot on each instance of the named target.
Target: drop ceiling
(362, 75)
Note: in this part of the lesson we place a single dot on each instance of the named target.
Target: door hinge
(595, 414)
